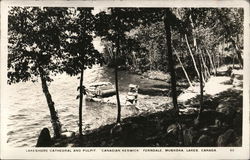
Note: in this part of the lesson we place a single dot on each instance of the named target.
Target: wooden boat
(99, 90)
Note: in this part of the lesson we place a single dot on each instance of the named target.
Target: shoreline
(159, 128)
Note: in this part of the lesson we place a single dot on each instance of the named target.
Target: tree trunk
(192, 56)
(80, 102)
(233, 61)
(116, 83)
(214, 60)
(116, 54)
(206, 70)
(201, 88)
(211, 61)
(238, 52)
(171, 62)
(198, 54)
(222, 51)
(184, 70)
(134, 60)
(171, 66)
(209, 65)
(54, 118)
(218, 59)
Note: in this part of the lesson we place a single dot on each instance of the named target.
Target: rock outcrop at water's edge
(44, 139)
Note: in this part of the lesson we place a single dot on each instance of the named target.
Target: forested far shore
(184, 48)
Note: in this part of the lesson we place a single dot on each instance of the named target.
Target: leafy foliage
(77, 42)
(34, 41)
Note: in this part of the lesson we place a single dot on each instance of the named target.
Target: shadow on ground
(220, 125)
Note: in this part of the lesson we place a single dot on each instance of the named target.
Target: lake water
(28, 112)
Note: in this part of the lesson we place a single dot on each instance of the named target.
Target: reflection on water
(28, 112)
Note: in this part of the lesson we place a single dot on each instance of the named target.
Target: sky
(97, 40)
(98, 9)
(97, 44)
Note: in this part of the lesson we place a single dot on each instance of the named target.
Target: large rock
(226, 138)
(212, 130)
(68, 134)
(205, 141)
(237, 83)
(44, 139)
(172, 130)
(187, 111)
(238, 76)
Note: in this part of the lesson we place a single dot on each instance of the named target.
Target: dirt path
(215, 85)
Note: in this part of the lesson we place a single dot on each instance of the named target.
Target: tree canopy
(34, 41)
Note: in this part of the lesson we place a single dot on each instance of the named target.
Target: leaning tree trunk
(184, 70)
(80, 102)
(54, 118)
(192, 56)
(206, 70)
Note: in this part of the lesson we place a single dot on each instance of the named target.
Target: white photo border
(8, 152)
